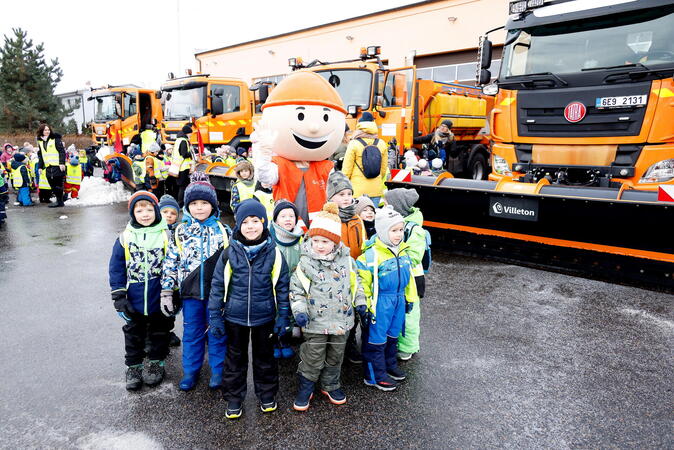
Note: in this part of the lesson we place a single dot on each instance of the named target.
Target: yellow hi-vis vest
(17, 179)
(147, 137)
(179, 161)
(83, 157)
(50, 155)
(163, 169)
(159, 171)
(139, 171)
(44, 183)
(275, 274)
(245, 191)
(267, 200)
(74, 174)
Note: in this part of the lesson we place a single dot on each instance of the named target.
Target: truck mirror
(485, 53)
(382, 114)
(89, 99)
(157, 95)
(484, 77)
(217, 107)
(168, 96)
(263, 93)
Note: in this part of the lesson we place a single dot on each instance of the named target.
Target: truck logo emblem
(575, 112)
(498, 208)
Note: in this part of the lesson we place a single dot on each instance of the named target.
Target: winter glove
(281, 325)
(122, 305)
(217, 324)
(408, 307)
(365, 315)
(167, 307)
(302, 319)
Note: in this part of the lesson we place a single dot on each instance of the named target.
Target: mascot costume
(302, 124)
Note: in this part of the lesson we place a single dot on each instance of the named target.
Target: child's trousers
(195, 323)
(380, 339)
(156, 328)
(321, 357)
(265, 367)
(23, 196)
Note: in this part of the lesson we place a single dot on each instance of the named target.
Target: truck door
(230, 114)
(397, 100)
(131, 117)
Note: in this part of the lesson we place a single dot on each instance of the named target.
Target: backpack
(427, 258)
(371, 159)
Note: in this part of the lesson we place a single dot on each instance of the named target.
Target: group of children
(266, 280)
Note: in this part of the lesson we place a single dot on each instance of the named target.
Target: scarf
(346, 214)
(286, 237)
(324, 258)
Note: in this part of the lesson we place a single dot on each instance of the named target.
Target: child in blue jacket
(188, 268)
(249, 301)
(135, 271)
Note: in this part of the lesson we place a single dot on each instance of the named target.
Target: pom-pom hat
(327, 223)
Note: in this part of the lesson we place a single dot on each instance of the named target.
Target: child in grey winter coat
(324, 291)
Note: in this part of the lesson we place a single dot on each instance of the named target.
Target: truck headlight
(659, 172)
(500, 166)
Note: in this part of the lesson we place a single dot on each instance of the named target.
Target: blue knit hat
(366, 117)
(247, 208)
(144, 195)
(19, 157)
(285, 204)
(167, 201)
(202, 190)
(240, 151)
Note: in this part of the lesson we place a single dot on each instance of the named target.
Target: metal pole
(180, 63)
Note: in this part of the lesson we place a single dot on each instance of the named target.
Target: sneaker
(234, 409)
(174, 341)
(268, 405)
(216, 380)
(396, 374)
(134, 377)
(336, 397)
(287, 352)
(16, 203)
(404, 356)
(153, 372)
(384, 385)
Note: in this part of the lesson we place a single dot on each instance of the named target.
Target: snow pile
(111, 440)
(96, 191)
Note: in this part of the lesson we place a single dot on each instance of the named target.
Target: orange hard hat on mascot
(302, 125)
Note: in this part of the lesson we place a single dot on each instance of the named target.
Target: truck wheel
(479, 169)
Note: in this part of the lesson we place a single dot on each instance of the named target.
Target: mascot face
(305, 132)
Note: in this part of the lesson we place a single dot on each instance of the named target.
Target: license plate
(621, 102)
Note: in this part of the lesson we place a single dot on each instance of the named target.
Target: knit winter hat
(144, 195)
(240, 151)
(327, 223)
(337, 182)
(422, 164)
(363, 202)
(366, 117)
(186, 129)
(402, 200)
(384, 220)
(448, 123)
(154, 148)
(436, 163)
(19, 157)
(285, 204)
(244, 165)
(167, 201)
(250, 207)
(201, 190)
(305, 88)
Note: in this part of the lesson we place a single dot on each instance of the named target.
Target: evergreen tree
(27, 85)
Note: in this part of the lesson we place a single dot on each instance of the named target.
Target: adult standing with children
(52, 159)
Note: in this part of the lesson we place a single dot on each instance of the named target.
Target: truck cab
(122, 111)
(585, 93)
(220, 110)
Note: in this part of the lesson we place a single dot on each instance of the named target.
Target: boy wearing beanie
(170, 211)
(365, 210)
(323, 292)
(403, 200)
(188, 269)
(385, 271)
(247, 187)
(249, 302)
(135, 275)
(287, 234)
(21, 180)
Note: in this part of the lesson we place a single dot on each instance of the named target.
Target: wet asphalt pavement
(511, 357)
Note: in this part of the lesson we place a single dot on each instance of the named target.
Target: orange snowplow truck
(405, 107)
(122, 111)
(220, 109)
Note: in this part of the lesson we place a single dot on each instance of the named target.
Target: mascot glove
(167, 307)
(263, 140)
(302, 319)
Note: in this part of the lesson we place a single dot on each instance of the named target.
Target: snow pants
(408, 342)
(155, 327)
(195, 324)
(321, 357)
(72, 189)
(380, 339)
(23, 196)
(265, 366)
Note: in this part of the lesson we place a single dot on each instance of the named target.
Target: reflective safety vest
(139, 171)
(245, 191)
(50, 155)
(306, 282)
(267, 200)
(84, 159)
(275, 273)
(147, 137)
(44, 183)
(179, 161)
(230, 161)
(163, 169)
(17, 178)
(73, 174)
(158, 166)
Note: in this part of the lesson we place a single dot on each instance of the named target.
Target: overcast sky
(128, 41)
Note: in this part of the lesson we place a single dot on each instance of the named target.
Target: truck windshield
(640, 38)
(182, 104)
(353, 85)
(105, 108)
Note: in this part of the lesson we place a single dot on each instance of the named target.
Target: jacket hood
(415, 216)
(156, 228)
(16, 164)
(367, 127)
(375, 242)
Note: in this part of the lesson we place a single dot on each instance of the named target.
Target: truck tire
(478, 167)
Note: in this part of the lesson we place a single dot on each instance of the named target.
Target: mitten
(302, 319)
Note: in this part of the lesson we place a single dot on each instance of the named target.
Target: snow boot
(287, 352)
(153, 372)
(216, 380)
(189, 381)
(336, 396)
(277, 352)
(304, 394)
(134, 377)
